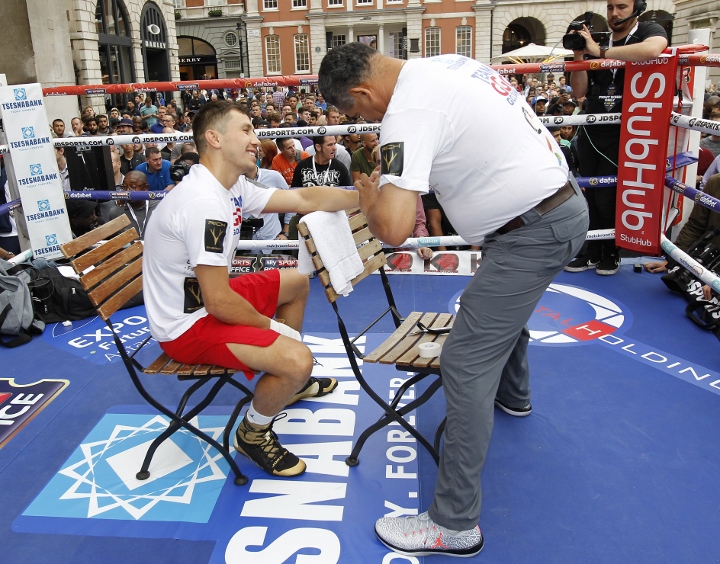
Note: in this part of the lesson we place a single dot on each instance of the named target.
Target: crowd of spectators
(327, 160)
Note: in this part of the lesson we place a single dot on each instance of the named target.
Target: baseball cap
(125, 121)
(570, 102)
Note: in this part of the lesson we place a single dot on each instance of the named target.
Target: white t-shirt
(475, 141)
(198, 222)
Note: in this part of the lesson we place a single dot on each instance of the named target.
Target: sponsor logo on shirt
(215, 235)
(392, 158)
(193, 295)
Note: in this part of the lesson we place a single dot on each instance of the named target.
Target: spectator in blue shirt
(149, 112)
(158, 126)
(157, 170)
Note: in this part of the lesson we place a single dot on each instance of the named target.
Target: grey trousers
(485, 355)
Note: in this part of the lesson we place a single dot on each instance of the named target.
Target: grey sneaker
(582, 263)
(315, 388)
(421, 536)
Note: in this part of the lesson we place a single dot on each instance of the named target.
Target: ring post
(648, 97)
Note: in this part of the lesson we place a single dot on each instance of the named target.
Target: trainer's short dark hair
(212, 116)
(343, 68)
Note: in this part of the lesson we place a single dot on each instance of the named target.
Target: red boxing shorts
(206, 341)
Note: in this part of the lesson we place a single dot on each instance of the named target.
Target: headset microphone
(631, 16)
(638, 8)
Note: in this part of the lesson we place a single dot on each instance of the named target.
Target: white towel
(335, 244)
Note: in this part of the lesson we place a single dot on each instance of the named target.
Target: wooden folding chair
(400, 348)
(111, 272)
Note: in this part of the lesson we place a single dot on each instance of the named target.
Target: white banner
(463, 263)
(33, 161)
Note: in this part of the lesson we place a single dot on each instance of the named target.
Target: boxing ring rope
(690, 264)
(679, 120)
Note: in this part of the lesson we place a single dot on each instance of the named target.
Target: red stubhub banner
(647, 104)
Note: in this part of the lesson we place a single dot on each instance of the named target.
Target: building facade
(284, 37)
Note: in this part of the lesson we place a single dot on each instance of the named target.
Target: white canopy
(534, 53)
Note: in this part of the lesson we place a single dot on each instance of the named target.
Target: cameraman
(598, 145)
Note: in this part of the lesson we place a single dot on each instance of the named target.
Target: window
(178, 4)
(272, 54)
(335, 2)
(337, 41)
(302, 53)
(232, 64)
(114, 43)
(231, 39)
(432, 41)
(463, 41)
(365, 2)
(270, 4)
(197, 58)
(299, 3)
(216, 2)
(399, 45)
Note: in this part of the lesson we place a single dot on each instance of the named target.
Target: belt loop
(574, 183)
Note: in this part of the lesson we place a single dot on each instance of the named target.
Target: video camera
(178, 171)
(575, 41)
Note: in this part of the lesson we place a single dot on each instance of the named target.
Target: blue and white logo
(20, 94)
(98, 480)
(51, 239)
(36, 169)
(190, 494)
(28, 132)
(43, 205)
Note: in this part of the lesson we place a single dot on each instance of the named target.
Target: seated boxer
(199, 315)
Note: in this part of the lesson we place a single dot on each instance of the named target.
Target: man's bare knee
(293, 359)
(293, 286)
(299, 359)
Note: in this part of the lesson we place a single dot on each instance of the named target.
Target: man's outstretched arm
(314, 198)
